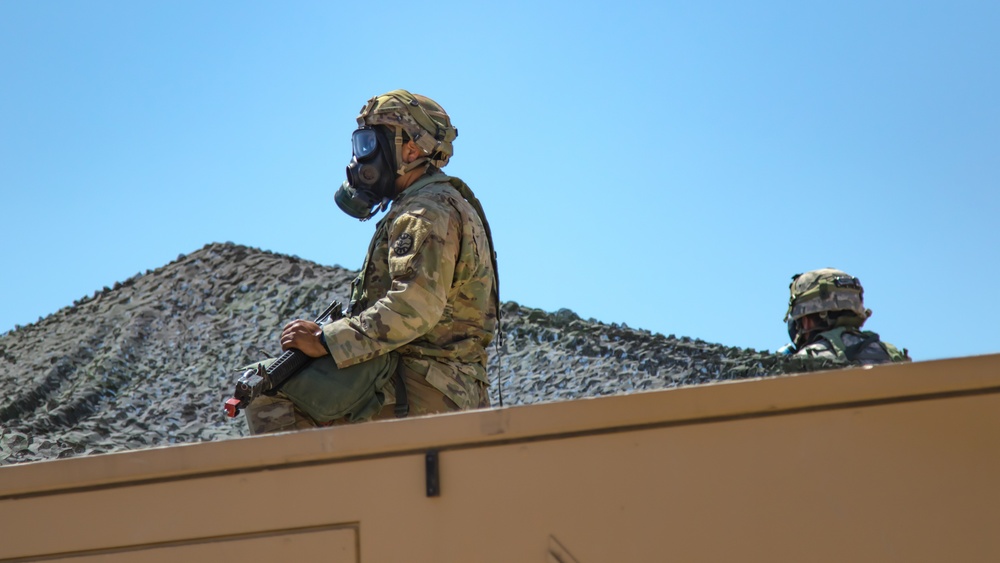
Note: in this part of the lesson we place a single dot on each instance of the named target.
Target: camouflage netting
(144, 363)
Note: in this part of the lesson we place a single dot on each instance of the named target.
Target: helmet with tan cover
(420, 118)
(824, 291)
(836, 297)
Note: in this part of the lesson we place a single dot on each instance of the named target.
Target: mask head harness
(377, 161)
(834, 298)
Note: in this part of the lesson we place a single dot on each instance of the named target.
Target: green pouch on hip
(326, 392)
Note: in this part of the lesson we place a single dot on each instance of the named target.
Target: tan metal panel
(198, 509)
(902, 482)
(337, 545)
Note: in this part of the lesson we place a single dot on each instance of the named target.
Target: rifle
(259, 380)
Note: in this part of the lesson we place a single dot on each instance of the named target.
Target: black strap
(402, 404)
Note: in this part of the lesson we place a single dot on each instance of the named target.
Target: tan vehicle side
(890, 463)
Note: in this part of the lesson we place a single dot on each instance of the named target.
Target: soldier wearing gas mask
(825, 314)
(425, 305)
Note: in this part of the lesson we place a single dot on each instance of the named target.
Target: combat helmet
(422, 120)
(834, 295)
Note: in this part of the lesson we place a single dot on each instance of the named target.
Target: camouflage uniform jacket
(851, 345)
(426, 291)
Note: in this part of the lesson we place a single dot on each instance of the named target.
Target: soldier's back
(849, 345)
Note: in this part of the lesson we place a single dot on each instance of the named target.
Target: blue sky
(668, 165)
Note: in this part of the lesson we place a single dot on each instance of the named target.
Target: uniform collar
(426, 179)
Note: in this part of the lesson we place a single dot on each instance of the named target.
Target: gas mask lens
(364, 142)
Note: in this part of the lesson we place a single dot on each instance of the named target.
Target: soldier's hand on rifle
(305, 336)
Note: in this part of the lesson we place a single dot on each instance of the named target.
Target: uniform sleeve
(423, 249)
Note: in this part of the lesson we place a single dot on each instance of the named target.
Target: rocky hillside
(149, 361)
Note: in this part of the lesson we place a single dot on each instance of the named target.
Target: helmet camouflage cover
(423, 120)
(823, 291)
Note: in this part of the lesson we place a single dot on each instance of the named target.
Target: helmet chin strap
(401, 167)
(398, 141)
(424, 162)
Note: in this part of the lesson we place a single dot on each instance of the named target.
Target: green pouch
(326, 392)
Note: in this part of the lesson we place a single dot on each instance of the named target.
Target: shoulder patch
(403, 244)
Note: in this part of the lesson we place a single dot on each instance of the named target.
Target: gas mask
(371, 176)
